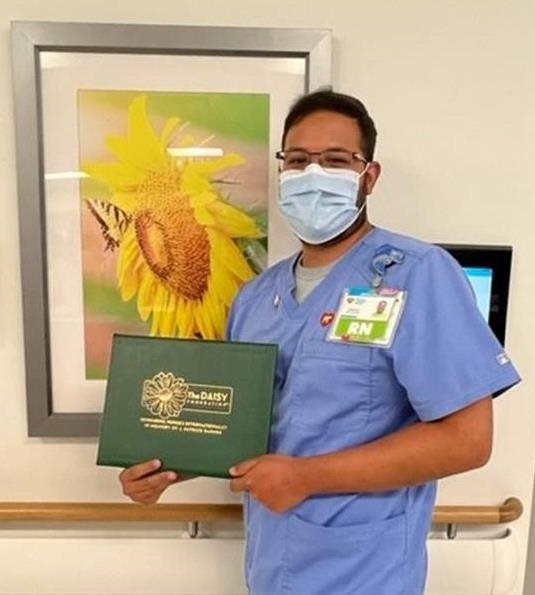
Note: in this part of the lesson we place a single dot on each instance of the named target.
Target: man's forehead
(321, 127)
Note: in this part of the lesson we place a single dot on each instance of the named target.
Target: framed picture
(147, 184)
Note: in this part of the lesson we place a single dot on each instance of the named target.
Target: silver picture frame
(28, 40)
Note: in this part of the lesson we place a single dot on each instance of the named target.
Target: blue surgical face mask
(319, 204)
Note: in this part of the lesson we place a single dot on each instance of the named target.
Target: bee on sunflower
(180, 243)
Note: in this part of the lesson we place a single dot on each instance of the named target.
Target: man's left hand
(277, 481)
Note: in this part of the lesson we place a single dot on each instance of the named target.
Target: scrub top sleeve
(445, 355)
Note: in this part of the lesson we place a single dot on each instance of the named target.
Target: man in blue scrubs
(368, 413)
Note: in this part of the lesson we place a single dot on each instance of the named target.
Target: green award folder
(198, 406)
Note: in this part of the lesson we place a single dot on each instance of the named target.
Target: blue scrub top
(332, 396)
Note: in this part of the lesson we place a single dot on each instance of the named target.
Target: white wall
(451, 86)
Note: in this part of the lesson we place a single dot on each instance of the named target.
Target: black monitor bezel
(499, 259)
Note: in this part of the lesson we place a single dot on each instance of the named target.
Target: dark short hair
(330, 101)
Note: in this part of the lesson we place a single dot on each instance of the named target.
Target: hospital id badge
(369, 316)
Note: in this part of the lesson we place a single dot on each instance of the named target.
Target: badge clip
(385, 256)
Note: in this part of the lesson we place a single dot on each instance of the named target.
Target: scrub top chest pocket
(332, 385)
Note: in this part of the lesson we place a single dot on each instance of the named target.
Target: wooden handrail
(509, 511)
(104, 511)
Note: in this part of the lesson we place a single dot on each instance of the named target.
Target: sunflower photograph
(174, 211)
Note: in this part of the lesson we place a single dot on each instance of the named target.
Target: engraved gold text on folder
(167, 396)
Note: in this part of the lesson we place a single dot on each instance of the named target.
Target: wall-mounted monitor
(488, 269)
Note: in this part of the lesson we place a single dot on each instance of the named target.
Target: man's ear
(371, 176)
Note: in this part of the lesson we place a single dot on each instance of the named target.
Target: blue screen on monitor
(481, 280)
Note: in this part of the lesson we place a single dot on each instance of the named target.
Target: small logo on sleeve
(503, 358)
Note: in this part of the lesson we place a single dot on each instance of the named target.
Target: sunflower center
(176, 248)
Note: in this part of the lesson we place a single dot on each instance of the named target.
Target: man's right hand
(142, 484)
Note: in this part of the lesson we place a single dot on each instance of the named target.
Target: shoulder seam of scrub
(421, 249)
(423, 256)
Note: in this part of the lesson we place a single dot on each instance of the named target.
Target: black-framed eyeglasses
(335, 158)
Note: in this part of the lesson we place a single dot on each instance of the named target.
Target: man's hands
(142, 484)
(279, 482)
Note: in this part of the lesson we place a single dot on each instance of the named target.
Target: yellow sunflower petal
(144, 145)
(126, 266)
(129, 286)
(160, 301)
(129, 153)
(120, 147)
(133, 154)
(167, 323)
(184, 318)
(233, 221)
(128, 254)
(202, 215)
(127, 201)
(202, 320)
(196, 187)
(207, 167)
(180, 322)
(224, 285)
(145, 296)
(118, 176)
(217, 312)
(231, 256)
(168, 130)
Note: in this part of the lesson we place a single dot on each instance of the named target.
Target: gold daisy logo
(164, 395)
(177, 237)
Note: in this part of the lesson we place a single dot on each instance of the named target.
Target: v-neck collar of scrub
(299, 310)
